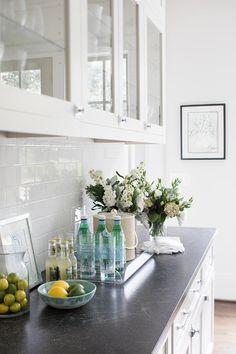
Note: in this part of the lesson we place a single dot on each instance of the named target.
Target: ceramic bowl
(67, 302)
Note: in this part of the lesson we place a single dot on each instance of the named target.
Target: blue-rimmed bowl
(67, 303)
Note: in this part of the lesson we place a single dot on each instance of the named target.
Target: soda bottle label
(53, 273)
(74, 272)
(69, 273)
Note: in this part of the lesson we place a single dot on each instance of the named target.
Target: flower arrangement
(152, 203)
(162, 203)
(123, 193)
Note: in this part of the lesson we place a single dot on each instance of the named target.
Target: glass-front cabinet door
(100, 55)
(154, 76)
(130, 59)
(33, 46)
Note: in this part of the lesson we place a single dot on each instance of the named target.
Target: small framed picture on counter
(202, 131)
(16, 232)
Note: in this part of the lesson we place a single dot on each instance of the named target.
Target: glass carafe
(14, 282)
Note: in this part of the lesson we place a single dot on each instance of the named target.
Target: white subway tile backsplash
(27, 174)
(43, 177)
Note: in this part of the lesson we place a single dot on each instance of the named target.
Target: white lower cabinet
(193, 326)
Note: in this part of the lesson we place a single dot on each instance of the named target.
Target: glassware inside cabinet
(32, 46)
(100, 55)
(130, 59)
(154, 67)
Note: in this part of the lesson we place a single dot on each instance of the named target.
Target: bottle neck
(52, 250)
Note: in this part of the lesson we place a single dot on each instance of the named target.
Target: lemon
(62, 284)
(24, 303)
(3, 308)
(3, 284)
(15, 307)
(22, 284)
(57, 291)
(9, 299)
(20, 295)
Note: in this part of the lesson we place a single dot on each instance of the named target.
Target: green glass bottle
(85, 250)
(119, 236)
(98, 244)
(106, 251)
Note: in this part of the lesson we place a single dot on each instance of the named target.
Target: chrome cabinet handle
(78, 110)
(148, 125)
(206, 298)
(122, 119)
(193, 332)
(185, 313)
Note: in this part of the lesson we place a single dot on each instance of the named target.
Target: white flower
(140, 202)
(109, 197)
(157, 193)
(97, 176)
(126, 198)
(171, 209)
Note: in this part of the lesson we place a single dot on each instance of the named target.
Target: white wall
(201, 57)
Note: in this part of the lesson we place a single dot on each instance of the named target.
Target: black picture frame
(203, 131)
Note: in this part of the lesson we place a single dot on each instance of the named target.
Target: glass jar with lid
(14, 282)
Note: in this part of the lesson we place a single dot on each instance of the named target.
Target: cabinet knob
(194, 331)
(206, 298)
(78, 110)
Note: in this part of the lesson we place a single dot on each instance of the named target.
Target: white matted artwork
(16, 232)
(202, 131)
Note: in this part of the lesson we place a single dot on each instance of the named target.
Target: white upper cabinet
(84, 68)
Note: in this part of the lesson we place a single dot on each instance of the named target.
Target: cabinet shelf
(24, 38)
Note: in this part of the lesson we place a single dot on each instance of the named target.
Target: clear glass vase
(157, 229)
(14, 282)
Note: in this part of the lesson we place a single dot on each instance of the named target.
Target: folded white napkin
(164, 245)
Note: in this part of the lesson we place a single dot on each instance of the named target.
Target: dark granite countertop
(132, 318)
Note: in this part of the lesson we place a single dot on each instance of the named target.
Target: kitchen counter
(133, 318)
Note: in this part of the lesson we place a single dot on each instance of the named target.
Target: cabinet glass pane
(32, 45)
(154, 74)
(130, 59)
(100, 54)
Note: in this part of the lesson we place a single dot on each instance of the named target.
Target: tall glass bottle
(73, 259)
(119, 236)
(101, 229)
(85, 250)
(58, 255)
(51, 266)
(64, 263)
(107, 253)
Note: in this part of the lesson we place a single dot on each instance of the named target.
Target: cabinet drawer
(186, 311)
(208, 263)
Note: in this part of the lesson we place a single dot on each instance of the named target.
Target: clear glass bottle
(14, 280)
(73, 259)
(119, 237)
(85, 250)
(58, 255)
(64, 263)
(51, 265)
(107, 253)
(98, 234)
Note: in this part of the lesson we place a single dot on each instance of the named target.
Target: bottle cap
(84, 217)
(102, 217)
(117, 218)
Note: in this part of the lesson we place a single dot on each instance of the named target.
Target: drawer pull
(185, 313)
(206, 298)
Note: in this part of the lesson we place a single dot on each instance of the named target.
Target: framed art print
(16, 232)
(202, 131)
